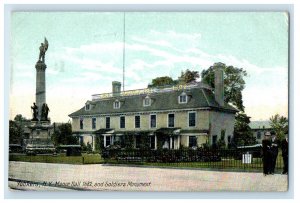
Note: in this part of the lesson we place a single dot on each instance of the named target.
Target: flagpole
(124, 52)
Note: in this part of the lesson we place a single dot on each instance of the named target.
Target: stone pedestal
(40, 132)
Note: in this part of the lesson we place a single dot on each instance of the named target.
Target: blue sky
(85, 54)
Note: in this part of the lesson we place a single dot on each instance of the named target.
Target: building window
(147, 101)
(87, 107)
(107, 122)
(192, 119)
(138, 141)
(182, 98)
(122, 121)
(116, 104)
(228, 139)
(153, 121)
(108, 141)
(81, 123)
(80, 140)
(214, 140)
(137, 121)
(173, 143)
(171, 120)
(93, 123)
(258, 136)
(192, 141)
(152, 142)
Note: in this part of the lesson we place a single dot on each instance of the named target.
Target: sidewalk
(43, 176)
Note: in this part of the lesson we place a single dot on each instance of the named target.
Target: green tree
(128, 140)
(15, 133)
(280, 125)
(188, 76)
(89, 147)
(63, 135)
(20, 118)
(161, 81)
(99, 143)
(242, 132)
(234, 83)
(16, 129)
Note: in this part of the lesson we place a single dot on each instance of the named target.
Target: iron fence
(227, 159)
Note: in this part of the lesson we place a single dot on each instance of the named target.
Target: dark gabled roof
(198, 98)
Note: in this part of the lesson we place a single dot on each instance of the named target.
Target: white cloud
(96, 48)
(176, 36)
(162, 43)
(261, 102)
(249, 67)
(265, 111)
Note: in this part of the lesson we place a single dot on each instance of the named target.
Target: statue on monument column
(45, 111)
(35, 112)
(43, 49)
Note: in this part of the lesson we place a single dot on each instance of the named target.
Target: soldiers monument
(40, 123)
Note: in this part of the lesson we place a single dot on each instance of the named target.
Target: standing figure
(35, 112)
(45, 111)
(274, 150)
(285, 154)
(43, 49)
(267, 157)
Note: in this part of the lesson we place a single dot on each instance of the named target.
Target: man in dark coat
(285, 156)
(267, 157)
(274, 150)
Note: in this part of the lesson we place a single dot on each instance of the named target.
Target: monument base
(39, 141)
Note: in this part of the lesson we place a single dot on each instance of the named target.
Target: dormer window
(117, 104)
(182, 99)
(147, 101)
(87, 106)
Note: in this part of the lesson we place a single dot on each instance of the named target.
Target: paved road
(44, 176)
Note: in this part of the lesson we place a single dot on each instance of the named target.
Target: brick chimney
(116, 88)
(219, 84)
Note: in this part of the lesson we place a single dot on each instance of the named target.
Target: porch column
(171, 143)
(155, 141)
(93, 139)
(104, 140)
